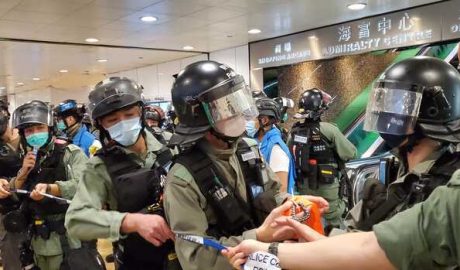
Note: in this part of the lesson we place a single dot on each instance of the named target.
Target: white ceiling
(207, 25)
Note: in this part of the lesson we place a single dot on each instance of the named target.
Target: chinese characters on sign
(382, 35)
(421, 25)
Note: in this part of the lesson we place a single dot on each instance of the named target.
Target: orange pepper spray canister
(306, 212)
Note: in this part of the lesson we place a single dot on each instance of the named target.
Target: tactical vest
(138, 190)
(10, 164)
(10, 161)
(380, 203)
(48, 171)
(234, 214)
(315, 156)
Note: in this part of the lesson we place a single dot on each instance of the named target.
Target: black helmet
(267, 106)
(312, 103)
(155, 113)
(205, 93)
(420, 93)
(32, 112)
(284, 104)
(113, 94)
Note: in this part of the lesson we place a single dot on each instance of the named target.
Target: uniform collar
(223, 154)
(424, 166)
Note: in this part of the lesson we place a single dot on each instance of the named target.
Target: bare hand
(35, 194)
(237, 256)
(304, 233)
(266, 231)
(4, 189)
(154, 229)
(28, 164)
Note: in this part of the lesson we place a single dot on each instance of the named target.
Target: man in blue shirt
(271, 144)
(70, 116)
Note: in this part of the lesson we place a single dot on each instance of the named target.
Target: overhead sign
(421, 25)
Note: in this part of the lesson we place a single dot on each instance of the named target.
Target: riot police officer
(119, 193)
(271, 144)
(155, 119)
(10, 163)
(70, 117)
(284, 103)
(218, 187)
(416, 113)
(415, 106)
(319, 149)
(50, 167)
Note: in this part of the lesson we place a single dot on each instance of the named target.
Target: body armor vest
(48, 171)
(138, 190)
(234, 215)
(10, 161)
(315, 157)
(380, 204)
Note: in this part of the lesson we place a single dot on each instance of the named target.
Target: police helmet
(31, 113)
(312, 103)
(154, 113)
(268, 107)
(284, 104)
(113, 94)
(207, 95)
(417, 94)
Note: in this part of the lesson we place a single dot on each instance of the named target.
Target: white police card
(262, 261)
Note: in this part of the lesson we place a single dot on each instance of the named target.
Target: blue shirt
(271, 138)
(83, 139)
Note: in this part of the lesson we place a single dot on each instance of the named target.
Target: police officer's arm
(347, 251)
(75, 162)
(85, 218)
(345, 149)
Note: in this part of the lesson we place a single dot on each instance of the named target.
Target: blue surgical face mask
(126, 132)
(251, 128)
(61, 125)
(38, 140)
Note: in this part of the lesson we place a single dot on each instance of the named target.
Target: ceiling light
(92, 40)
(36, 79)
(102, 60)
(254, 31)
(2, 88)
(313, 37)
(19, 83)
(149, 19)
(357, 6)
(188, 48)
(63, 71)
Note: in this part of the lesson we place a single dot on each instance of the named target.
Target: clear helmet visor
(393, 108)
(228, 110)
